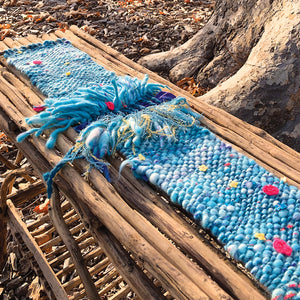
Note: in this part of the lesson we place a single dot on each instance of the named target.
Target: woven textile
(254, 214)
(79, 89)
(56, 67)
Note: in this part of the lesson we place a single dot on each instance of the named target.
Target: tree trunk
(249, 55)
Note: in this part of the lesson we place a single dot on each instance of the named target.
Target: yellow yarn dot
(68, 73)
(141, 157)
(203, 168)
(233, 184)
(260, 236)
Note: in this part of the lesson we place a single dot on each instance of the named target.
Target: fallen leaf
(51, 19)
(42, 208)
(5, 26)
(6, 32)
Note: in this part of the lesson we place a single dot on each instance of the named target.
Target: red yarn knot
(39, 108)
(282, 247)
(227, 164)
(37, 62)
(110, 105)
(270, 190)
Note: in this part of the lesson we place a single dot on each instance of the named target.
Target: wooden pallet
(150, 234)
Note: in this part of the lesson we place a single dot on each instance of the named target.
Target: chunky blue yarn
(218, 186)
(74, 98)
(58, 58)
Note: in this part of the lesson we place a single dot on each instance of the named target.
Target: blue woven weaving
(254, 214)
(79, 90)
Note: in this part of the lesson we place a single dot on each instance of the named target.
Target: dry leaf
(188, 84)
(42, 208)
(51, 19)
(6, 32)
(5, 26)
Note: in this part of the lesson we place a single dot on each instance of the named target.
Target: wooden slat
(67, 238)
(34, 248)
(93, 270)
(105, 279)
(44, 219)
(29, 192)
(120, 294)
(57, 239)
(110, 286)
(84, 240)
(87, 257)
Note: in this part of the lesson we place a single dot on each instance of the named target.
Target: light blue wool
(67, 76)
(218, 186)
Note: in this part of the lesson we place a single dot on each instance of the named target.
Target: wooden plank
(62, 229)
(133, 275)
(185, 285)
(280, 166)
(145, 229)
(11, 43)
(25, 90)
(29, 192)
(15, 219)
(3, 47)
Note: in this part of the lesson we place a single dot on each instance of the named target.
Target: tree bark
(248, 54)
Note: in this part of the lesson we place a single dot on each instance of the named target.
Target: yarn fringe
(87, 104)
(111, 133)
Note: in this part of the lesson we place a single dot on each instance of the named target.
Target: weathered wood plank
(34, 248)
(29, 192)
(73, 248)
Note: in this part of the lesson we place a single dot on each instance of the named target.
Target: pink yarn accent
(270, 190)
(288, 296)
(110, 105)
(39, 108)
(37, 62)
(282, 247)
